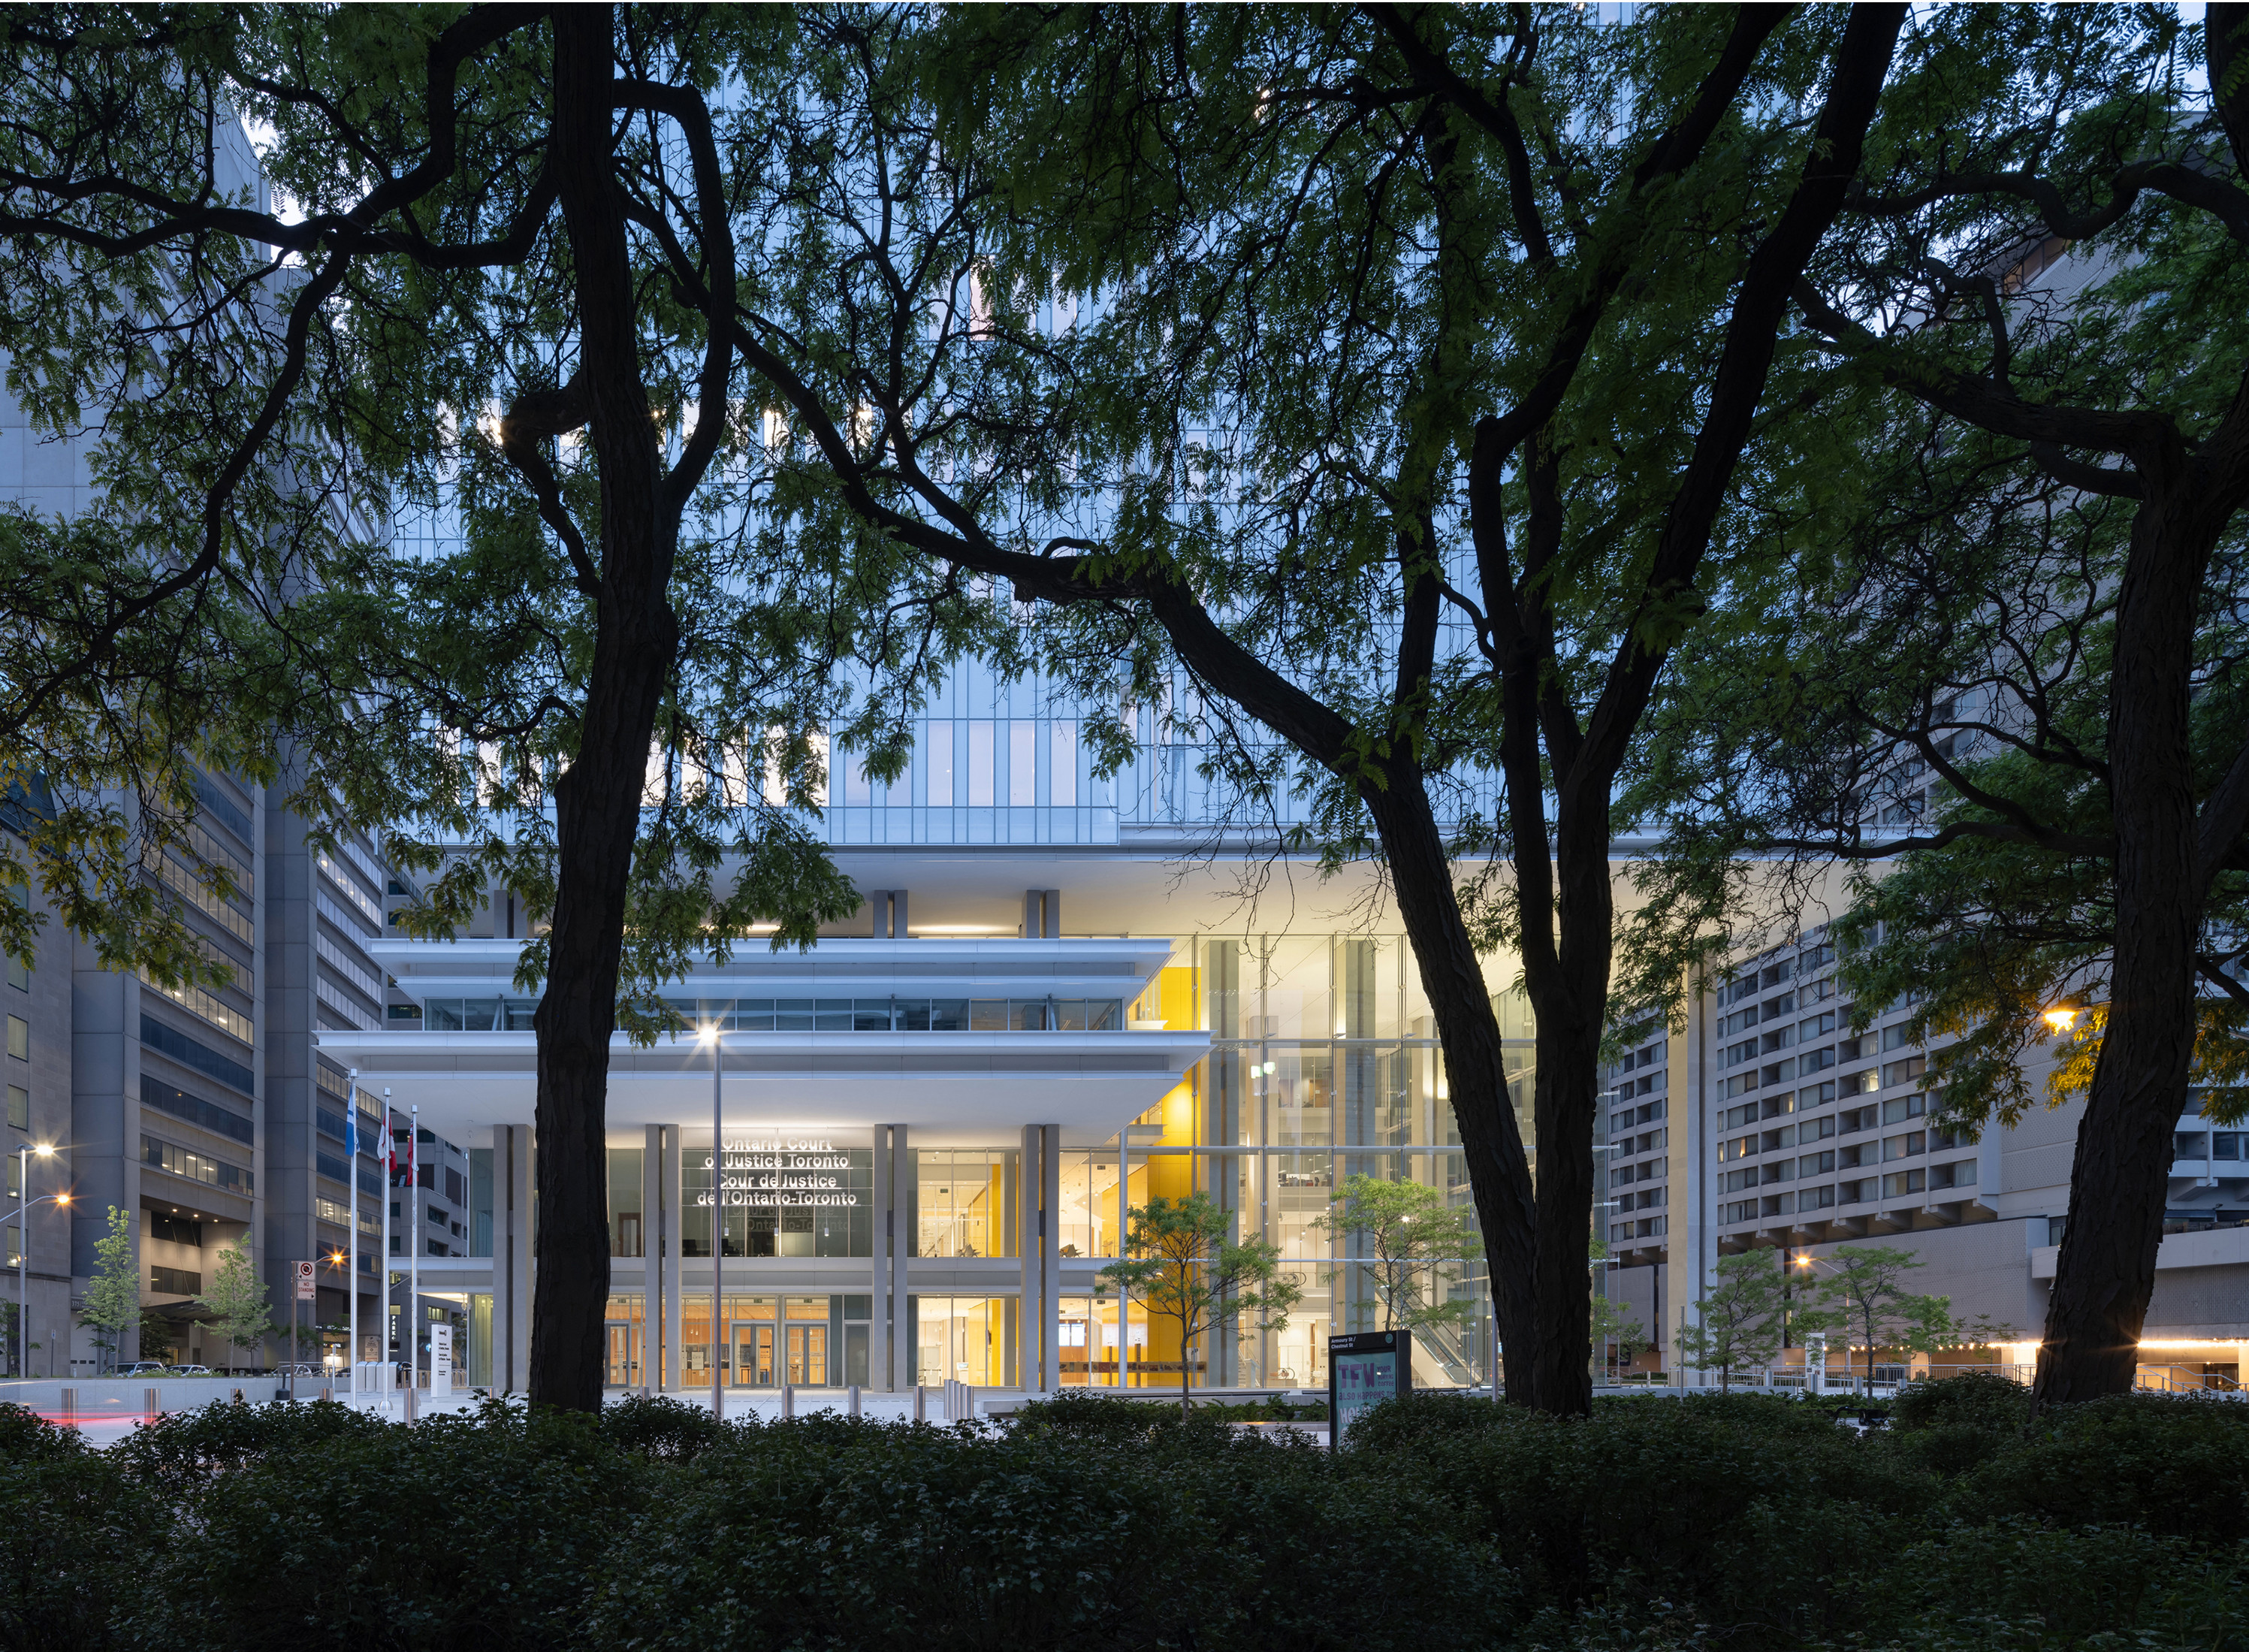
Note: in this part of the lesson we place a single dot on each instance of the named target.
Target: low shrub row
(1722, 1521)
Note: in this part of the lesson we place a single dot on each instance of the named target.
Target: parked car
(151, 1368)
(189, 1371)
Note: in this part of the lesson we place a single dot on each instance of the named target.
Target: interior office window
(1022, 763)
(19, 1107)
(937, 757)
(1061, 767)
(979, 763)
(19, 974)
(19, 1038)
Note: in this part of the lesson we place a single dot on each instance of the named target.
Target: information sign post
(307, 1290)
(441, 1361)
(1363, 1369)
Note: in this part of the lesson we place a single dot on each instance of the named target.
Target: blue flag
(351, 1128)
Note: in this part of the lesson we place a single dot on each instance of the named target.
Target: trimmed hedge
(1735, 1521)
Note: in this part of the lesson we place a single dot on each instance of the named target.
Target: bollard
(70, 1407)
(412, 1407)
(851, 1400)
(788, 1399)
(921, 1403)
(150, 1404)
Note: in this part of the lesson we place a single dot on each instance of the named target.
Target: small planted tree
(1182, 1264)
(1863, 1288)
(159, 1337)
(1410, 1238)
(113, 1295)
(240, 1313)
(1740, 1318)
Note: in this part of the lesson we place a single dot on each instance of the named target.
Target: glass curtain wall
(1323, 1064)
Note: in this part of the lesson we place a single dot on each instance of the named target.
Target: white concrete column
(898, 1221)
(880, 1224)
(1124, 1204)
(668, 1204)
(1050, 1258)
(1029, 1252)
(652, 1254)
(512, 1268)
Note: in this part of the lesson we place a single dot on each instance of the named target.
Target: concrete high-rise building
(1768, 1122)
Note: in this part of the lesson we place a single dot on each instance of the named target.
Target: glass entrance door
(623, 1371)
(807, 1355)
(754, 1356)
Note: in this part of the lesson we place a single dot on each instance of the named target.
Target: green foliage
(1738, 1322)
(2018, 1586)
(1610, 1326)
(1925, 686)
(437, 691)
(1411, 1236)
(665, 1429)
(1084, 1528)
(1958, 1421)
(241, 1315)
(159, 1337)
(1864, 1289)
(78, 1533)
(2177, 1466)
(480, 1531)
(112, 1306)
(1098, 1522)
(1182, 1263)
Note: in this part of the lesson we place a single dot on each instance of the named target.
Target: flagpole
(351, 1276)
(414, 1242)
(389, 1184)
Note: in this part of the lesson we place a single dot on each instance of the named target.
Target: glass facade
(970, 1339)
(1323, 1064)
(779, 1199)
(809, 1341)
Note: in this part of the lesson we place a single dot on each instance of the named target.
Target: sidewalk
(106, 1408)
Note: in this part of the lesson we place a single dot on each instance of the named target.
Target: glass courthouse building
(936, 1120)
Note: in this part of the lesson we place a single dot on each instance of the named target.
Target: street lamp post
(24, 1156)
(1806, 1261)
(712, 1035)
(351, 1266)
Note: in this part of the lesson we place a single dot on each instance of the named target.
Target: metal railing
(1886, 1378)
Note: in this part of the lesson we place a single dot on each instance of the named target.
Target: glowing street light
(23, 1156)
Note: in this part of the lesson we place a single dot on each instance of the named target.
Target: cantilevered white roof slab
(928, 966)
(965, 1089)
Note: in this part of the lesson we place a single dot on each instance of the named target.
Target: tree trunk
(598, 800)
(1572, 1009)
(1475, 1076)
(2121, 1174)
